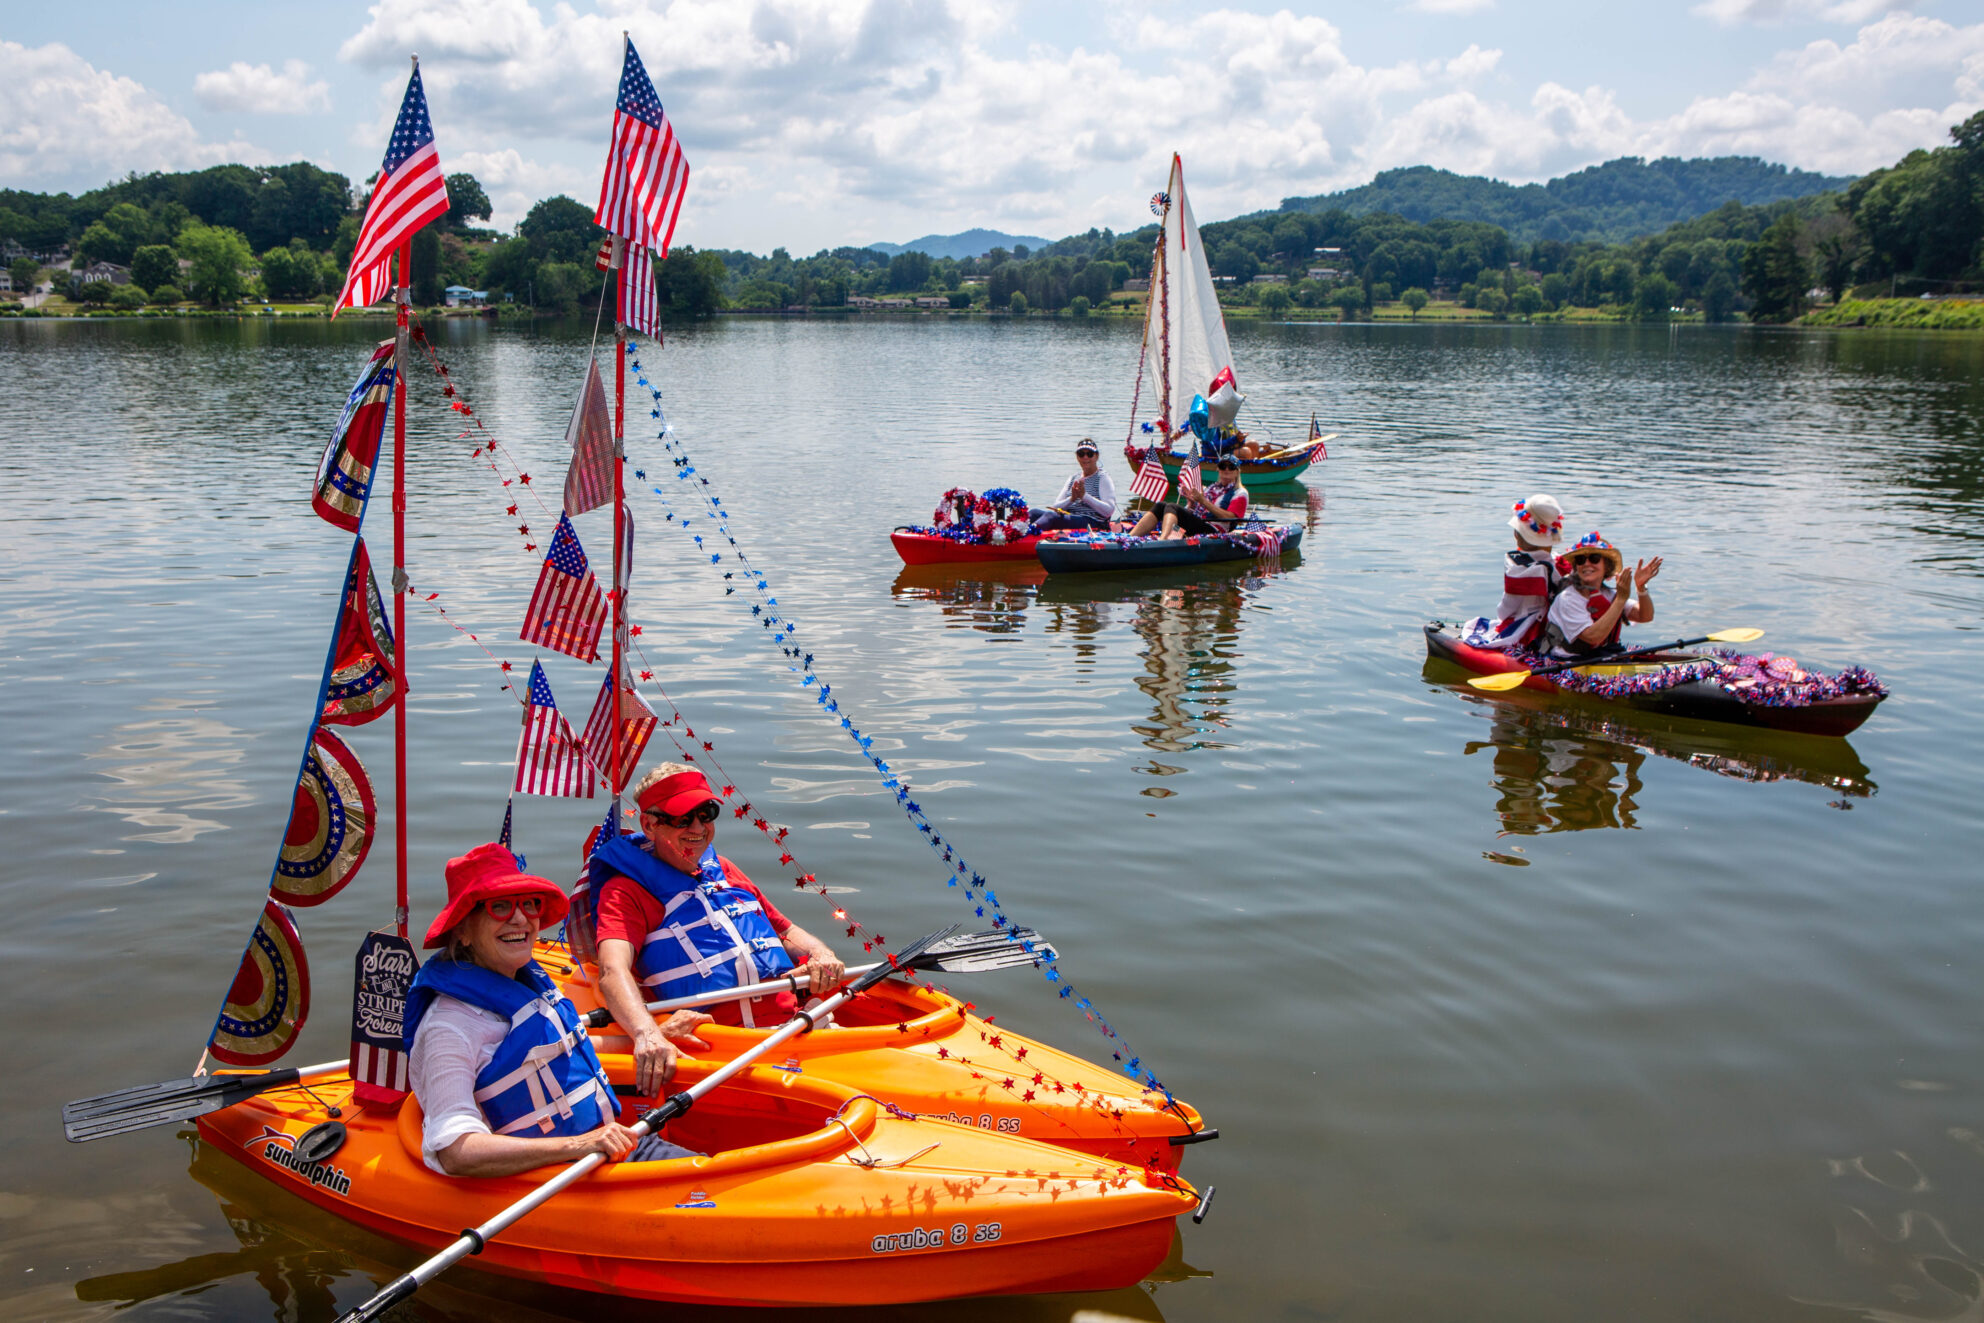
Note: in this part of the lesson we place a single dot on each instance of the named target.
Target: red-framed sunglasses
(501, 909)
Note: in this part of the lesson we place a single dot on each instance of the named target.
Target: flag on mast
(409, 192)
(589, 480)
(637, 723)
(550, 760)
(640, 195)
(640, 307)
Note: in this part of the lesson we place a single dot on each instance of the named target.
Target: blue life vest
(545, 1078)
(713, 935)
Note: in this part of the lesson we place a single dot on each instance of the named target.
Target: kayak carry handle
(1196, 1137)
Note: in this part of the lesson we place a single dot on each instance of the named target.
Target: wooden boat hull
(1071, 557)
(928, 549)
(1698, 700)
(924, 1051)
(784, 1212)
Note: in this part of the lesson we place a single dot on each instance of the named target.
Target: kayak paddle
(966, 953)
(473, 1240)
(146, 1105)
(1510, 679)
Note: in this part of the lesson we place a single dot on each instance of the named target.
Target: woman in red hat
(673, 918)
(506, 1077)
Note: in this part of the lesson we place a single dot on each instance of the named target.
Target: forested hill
(1609, 203)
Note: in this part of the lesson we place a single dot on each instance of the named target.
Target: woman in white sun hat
(1530, 578)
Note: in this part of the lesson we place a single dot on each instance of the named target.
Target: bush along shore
(1911, 314)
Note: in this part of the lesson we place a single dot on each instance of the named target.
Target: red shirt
(628, 912)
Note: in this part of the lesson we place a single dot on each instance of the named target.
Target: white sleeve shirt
(454, 1042)
(1098, 494)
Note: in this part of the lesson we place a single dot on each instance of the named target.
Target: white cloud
(1765, 12)
(258, 89)
(66, 124)
(833, 120)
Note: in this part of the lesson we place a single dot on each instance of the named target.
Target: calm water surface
(1507, 1009)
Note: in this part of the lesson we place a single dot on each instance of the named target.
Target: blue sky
(812, 123)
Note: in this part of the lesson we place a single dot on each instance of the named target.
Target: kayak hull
(792, 1215)
(924, 1051)
(1699, 700)
(1073, 557)
(928, 549)
(1253, 473)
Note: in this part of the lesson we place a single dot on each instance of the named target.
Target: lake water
(1506, 1009)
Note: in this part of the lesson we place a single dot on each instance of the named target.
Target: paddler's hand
(680, 1029)
(611, 1140)
(825, 972)
(654, 1060)
(1077, 489)
(1643, 573)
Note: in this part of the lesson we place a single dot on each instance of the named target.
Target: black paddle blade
(906, 958)
(975, 953)
(148, 1105)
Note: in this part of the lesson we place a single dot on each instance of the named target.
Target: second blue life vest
(545, 1079)
(712, 936)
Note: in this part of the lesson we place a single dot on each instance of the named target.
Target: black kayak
(1068, 556)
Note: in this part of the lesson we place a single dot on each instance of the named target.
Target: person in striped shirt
(1531, 577)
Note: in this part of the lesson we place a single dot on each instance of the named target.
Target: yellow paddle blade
(1499, 682)
(1736, 636)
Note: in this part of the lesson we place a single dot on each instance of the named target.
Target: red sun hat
(490, 872)
(677, 794)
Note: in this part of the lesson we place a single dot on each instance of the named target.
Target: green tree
(120, 232)
(165, 296)
(128, 297)
(286, 276)
(466, 201)
(1556, 288)
(1018, 303)
(1079, 305)
(1718, 297)
(1349, 301)
(1274, 300)
(1836, 250)
(1379, 292)
(1653, 296)
(26, 273)
(690, 283)
(1775, 274)
(560, 286)
(94, 293)
(154, 265)
(218, 253)
(1414, 299)
(426, 288)
(909, 271)
(1528, 301)
(1493, 302)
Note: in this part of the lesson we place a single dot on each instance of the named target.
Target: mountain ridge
(965, 243)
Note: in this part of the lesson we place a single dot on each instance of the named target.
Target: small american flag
(640, 194)
(566, 610)
(1151, 483)
(639, 307)
(637, 722)
(409, 193)
(550, 760)
(589, 480)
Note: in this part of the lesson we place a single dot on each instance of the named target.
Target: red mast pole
(400, 356)
(617, 781)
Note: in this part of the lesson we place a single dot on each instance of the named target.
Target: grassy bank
(1913, 314)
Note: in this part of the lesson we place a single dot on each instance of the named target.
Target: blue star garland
(799, 663)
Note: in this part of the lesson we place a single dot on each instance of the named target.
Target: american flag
(640, 309)
(550, 760)
(640, 194)
(409, 193)
(1151, 483)
(589, 480)
(637, 722)
(566, 608)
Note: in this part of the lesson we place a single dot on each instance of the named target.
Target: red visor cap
(676, 795)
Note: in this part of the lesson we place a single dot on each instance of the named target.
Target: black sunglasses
(707, 811)
(1589, 559)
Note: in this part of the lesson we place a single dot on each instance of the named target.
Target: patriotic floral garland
(962, 515)
(1768, 680)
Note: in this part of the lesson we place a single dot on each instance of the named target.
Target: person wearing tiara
(1531, 578)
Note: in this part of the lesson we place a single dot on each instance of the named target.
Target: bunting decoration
(637, 722)
(330, 824)
(364, 683)
(386, 966)
(344, 474)
(550, 760)
(589, 480)
(567, 609)
(270, 998)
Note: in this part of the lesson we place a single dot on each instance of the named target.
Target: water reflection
(306, 1261)
(991, 598)
(1559, 766)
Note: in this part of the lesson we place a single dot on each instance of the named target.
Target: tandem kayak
(1253, 472)
(1701, 700)
(919, 548)
(1090, 554)
(811, 1193)
(924, 1051)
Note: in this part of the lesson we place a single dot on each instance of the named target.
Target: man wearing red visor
(675, 919)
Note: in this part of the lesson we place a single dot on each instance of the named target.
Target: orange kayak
(813, 1194)
(926, 1052)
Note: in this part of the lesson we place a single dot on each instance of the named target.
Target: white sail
(1185, 336)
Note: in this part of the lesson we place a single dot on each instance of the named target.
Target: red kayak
(1700, 699)
(918, 548)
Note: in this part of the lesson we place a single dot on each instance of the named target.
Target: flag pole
(614, 779)
(400, 356)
